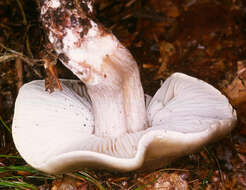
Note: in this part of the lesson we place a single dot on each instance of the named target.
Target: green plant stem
(5, 125)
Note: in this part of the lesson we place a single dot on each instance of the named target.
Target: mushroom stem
(118, 104)
(97, 58)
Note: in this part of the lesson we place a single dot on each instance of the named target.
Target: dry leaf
(236, 91)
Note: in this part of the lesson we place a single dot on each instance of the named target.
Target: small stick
(7, 57)
(28, 47)
(130, 3)
(19, 70)
(29, 61)
(22, 12)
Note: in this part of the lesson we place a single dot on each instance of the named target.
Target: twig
(26, 59)
(193, 181)
(117, 185)
(27, 28)
(19, 70)
(130, 3)
(8, 57)
(5, 26)
(28, 47)
(132, 186)
(22, 12)
(10, 50)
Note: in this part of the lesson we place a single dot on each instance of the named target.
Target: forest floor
(202, 38)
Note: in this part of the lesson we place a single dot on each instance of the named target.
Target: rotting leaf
(170, 181)
(236, 90)
(167, 51)
(163, 181)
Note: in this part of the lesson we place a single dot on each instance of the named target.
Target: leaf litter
(202, 38)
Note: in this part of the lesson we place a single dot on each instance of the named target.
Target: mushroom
(106, 122)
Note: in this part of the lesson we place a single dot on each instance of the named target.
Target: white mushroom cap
(55, 132)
